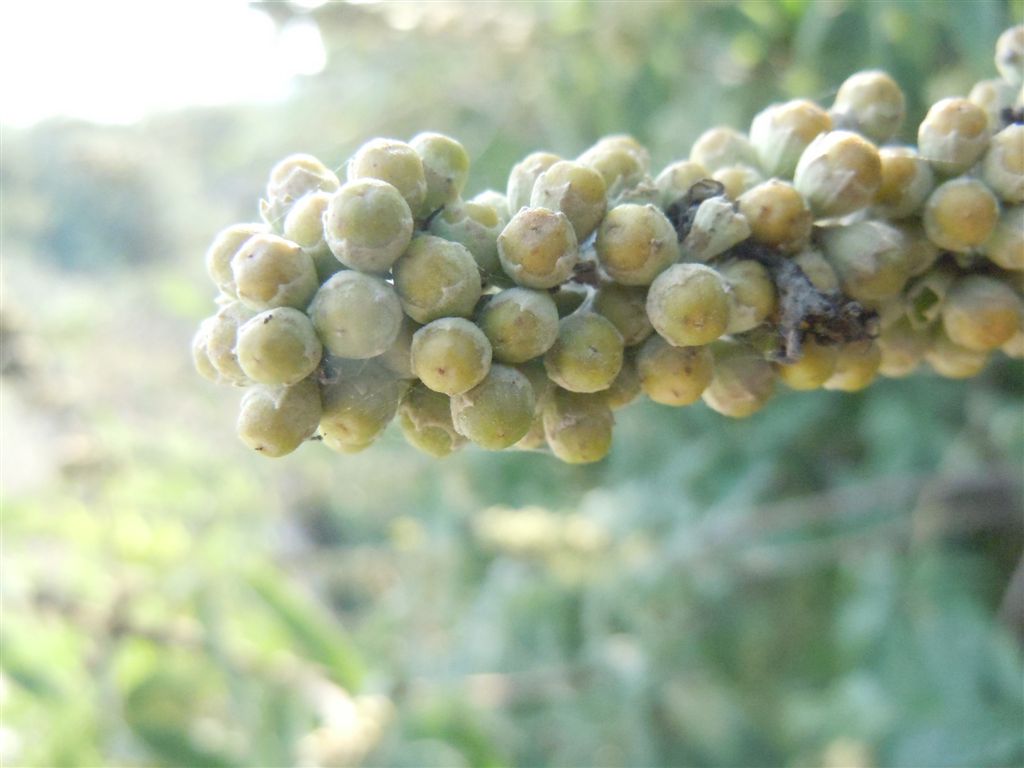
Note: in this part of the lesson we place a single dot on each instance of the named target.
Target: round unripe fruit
(304, 225)
(222, 338)
(1010, 55)
(737, 179)
(445, 168)
(869, 258)
(688, 306)
(953, 135)
(838, 173)
(673, 375)
(1003, 166)
(270, 271)
(356, 315)
(981, 313)
(626, 308)
(993, 96)
(752, 295)
(498, 411)
(492, 198)
(919, 253)
(538, 248)
(450, 355)
(952, 361)
(907, 180)
(520, 323)
(396, 163)
(368, 225)
(621, 160)
(817, 269)
(777, 215)
(587, 355)
(578, 427)
(902, 348)
(780, 134)
(543, 388)
(1005, 246)
(358, 404)
(741, 382)
(223, 249)
(200, 354)
(523, 176)
(960, 215)
(677, 179)
(398, 357)
(275, 421)
(717, 226)
(278, 347)
(626, 387)
(635, 243)
(723, 146)
(477, 227)
(575, 190)
(870, 103)
(425, 418)
(816, 364)
(437, 278)
(856, 366)
(291, 179)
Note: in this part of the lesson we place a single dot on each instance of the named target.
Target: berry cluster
(806, 250)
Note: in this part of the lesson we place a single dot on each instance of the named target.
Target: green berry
(200, 353)
(221, 341)
(477, 227)
(425, 418)
(676, 180)
(673, 375)
(953, 135)
(741, 383)
(498, 411)
(578, 427)
(491, 198)
(635, 243)
(869, 257)
(436, 278)
(737, 179)
(780, 134)
(359, 401)
(356, 315)
(278, 347)
(304, 226)
(777, 215)
(626, 307)
(981, 313)
(270, 271)
(520, 323)
(368, 225)
(587, 355)
(276, 420)
(445, 168)
(626, 386)
(450, 355)
(952, 361)
(577, 191)
(291, 179)
(856, 366)
(398, 357)
(817, 269)
(960, 215)
(223, 249)
(752, 295)
(722, 146)
(396, 163)
(902, 348)
(1010, 55)
(543, 388)
(993, 96)
(816, 364)
(1002, 168)
(688, 306)
(537, 248)
(838, 173)
(870, 103)
(1005, 246)
(523, 176)
(717, 226)
(621, 160)
(907, 180)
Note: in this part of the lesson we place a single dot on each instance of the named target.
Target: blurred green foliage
(818, 585)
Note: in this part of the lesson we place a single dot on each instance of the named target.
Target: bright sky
(115, 61)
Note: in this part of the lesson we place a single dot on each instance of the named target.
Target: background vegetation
(818, 585)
